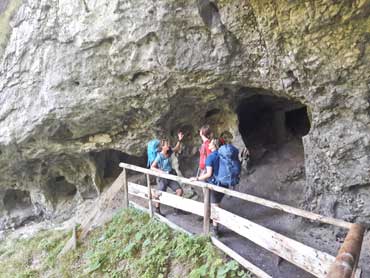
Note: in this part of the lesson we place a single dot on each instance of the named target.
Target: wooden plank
(140, 195)
(346, 261)
(313, 261)
(171, 224)
(71, 243)
(151, 213)
(207, 211)
(168, 199)
(245, 263)
(162, 175)
(74, 236)
(246, 197)
(285, 208)
(104, 200)
(125, 189)
(162, 219)
(138, 190)
(137, 206)
(357, 273)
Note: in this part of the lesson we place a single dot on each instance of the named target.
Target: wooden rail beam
(207, 211)
(307, 258)
(313, 261)
(167, 199)
(346, 261)
(246, 197)
(150, 204)
(248, 265)
(281, 207)
(316, 262)
(125, 189)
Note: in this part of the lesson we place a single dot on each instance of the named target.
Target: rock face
(85, 84)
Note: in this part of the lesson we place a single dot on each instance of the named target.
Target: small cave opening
(271, 121)
(297, 122)
(107, 163)
(272, 129)
(60, 189)
(17, 201)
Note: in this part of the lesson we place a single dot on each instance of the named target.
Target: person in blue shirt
(162, 163)
(212, 165)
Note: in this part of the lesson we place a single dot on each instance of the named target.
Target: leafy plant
(131, 245)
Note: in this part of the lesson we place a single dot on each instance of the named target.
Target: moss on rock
(5, 16)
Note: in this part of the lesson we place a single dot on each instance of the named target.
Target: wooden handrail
(343, 266)
(346, 261)
(313, 261)
(125, 189)
(244, 196)
(207, 211)
(150, 204)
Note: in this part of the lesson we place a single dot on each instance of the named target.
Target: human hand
(180, 135)
(193, 179)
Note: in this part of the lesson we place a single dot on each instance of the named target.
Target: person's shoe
(158, 211)
(215, 231)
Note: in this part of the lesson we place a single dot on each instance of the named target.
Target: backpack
(152, 151)
(229, 166)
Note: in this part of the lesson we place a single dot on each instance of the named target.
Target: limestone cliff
(88, 82)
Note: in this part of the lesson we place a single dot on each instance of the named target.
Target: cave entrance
(17, 201)
(107, 163)
(60, 189)
(272, 129)
(271, 121)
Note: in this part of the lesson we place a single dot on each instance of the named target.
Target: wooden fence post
(151, 213)
(74, 236)
(125, 189)
(346, 261)
(207, 210)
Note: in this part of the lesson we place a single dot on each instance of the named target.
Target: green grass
(131, 245)
(28, 258)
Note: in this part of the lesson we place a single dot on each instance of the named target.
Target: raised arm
(180, 136)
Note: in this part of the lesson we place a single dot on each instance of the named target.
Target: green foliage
(27, 258)
(131, 245)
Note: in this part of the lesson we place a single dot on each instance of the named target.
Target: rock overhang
(87, 77)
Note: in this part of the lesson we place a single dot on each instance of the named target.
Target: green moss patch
(131, 245)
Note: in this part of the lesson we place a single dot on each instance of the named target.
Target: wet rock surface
(79, 78)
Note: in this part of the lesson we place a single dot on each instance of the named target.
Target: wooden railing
(316, 262)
